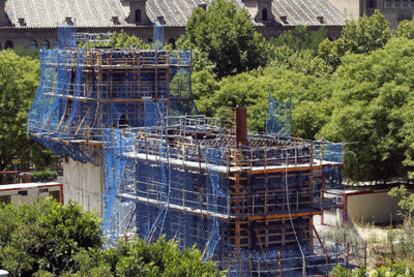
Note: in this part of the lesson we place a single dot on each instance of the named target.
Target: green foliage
(358, 36)
(366, 34)
(204, 88)
(331, 52)
(18, 83)
(24, 51)
(119, 40)
(405, 29)
(371, 92)
(340, 271)
(357, 90)
(227, 36)
(300, 39)
(405, 200)
(304, 61)
(45, 236)
(123, 40)
(49, 239)
(251, 90)
(137, 258)
(389, 270)
(45, 174)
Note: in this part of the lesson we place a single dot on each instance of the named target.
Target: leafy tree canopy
(45, 236)
(366, 103)
(137, 258)
(49, 239)
(227, 36)
(19, 77)
(366, 34)
(358, 36)
(406, 29)
(371, 93)
(309, 94)
(300, 39)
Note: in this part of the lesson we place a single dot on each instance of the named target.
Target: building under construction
(255, 204)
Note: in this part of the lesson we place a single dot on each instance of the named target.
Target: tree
(18, 82)
(331, 52)
(405, 200)
(310, 97)
(301, 39)
(358, 36)
(138, 258)
(204, 87)
(123, 40)
(366, 34)
(405, 29)
(225, 33)
(45, 236)
(119, 40)
(49, 239)
(371, 91)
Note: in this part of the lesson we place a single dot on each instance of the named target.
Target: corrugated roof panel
(306, 12)
(99, 13)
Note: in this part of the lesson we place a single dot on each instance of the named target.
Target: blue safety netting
(279, 117)
(194, 207)
(333, 153)
(66, 38)
(69, 109)
(159, 188)
(158, 34)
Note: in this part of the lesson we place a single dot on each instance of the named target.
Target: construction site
(257, 204)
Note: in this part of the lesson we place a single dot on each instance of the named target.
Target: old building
(33, 23)
(393, 10)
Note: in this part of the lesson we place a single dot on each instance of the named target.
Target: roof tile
(99, 13)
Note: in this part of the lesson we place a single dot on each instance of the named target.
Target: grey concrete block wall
(84, 183)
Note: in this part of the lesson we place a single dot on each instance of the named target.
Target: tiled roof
(48, 13)
(99, 13)
(306, 12)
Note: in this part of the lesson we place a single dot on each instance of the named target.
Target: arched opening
(123, 121)
(33, 44)
(8, 44)
(150, 40)
(264, 14)
(172, 42)
(138, 17)
(45, 44)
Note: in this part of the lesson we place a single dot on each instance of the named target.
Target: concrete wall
(350, 8)
(84, 183)
(372, 207)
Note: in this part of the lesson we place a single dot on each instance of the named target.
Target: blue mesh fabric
(279, 117)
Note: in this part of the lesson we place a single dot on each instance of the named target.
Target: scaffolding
(256, 204)
(251, 208)
(84, 90)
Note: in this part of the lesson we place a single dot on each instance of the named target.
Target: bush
(45, 175)
(138, 258)
(45, 236)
